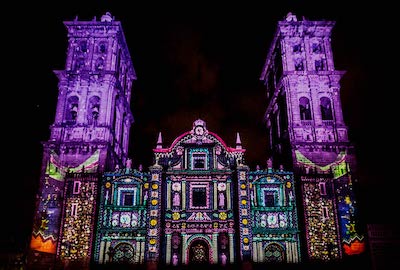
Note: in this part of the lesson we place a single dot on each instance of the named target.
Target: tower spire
(238, 141)
(159, 141)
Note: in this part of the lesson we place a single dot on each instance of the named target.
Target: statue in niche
(269, 163)
(221, 200)
(175, 259)
(176, 241)
(129, 163)
(223, 259)
(176, 201)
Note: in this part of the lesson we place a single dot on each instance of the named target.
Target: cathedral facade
(199, 202)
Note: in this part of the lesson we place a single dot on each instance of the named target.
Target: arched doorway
(199, 252)
(223, 248)
(274, 253)
(123, 253)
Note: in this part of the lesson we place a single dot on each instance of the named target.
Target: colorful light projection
(54, 168)
(338, 167)
(246, 238)
(199, 201)
(154, 225)
(123, 217)
(43, 244)
(321, 232)
(90, 165)
(48, 216)
(274, 217)
(342, 199)
(78, 220)
(353, 243)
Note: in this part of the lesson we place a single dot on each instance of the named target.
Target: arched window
(102, 48)
(298, 65)
(71, 113)
(274, 253)
(319, 65)
(93, 109)
(316, 47)
(83, 46)
(99, 63)
(305, 110)
(297, 48)
(326, 109)
(80, 63)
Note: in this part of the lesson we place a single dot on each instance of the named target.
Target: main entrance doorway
(199, 252)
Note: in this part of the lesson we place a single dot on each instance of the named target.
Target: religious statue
(221, 200)
(176, 201)
(223, 259)
(269, 163)
(129, 163)
(174, 259)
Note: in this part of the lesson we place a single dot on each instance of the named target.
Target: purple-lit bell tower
(307, 133)
(90, 134)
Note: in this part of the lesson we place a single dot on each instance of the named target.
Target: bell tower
(90, 133)
(307, 134)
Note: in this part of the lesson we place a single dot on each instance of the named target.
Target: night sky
(196, 60)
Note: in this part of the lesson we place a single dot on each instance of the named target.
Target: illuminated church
(199, 202)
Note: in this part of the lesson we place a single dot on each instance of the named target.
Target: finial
(129, 163)
(159, 141)
(269, 163)
(238, 141)
(290, 17)
(106, 17)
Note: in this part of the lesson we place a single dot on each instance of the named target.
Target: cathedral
(198, 203)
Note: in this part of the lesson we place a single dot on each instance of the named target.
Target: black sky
(197, 60)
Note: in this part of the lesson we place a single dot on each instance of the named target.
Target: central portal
(199, 252)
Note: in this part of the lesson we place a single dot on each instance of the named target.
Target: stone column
(106, 257)
(138, 243)
(260, 252)
(288, 252)
(142, 249)
(215, 247)
(184, 247)
(215, 195)
(255, 252)
(183, 195)
(168, 251)
(168, 195)
(102, 251)
(228, 196)
(231, 252)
